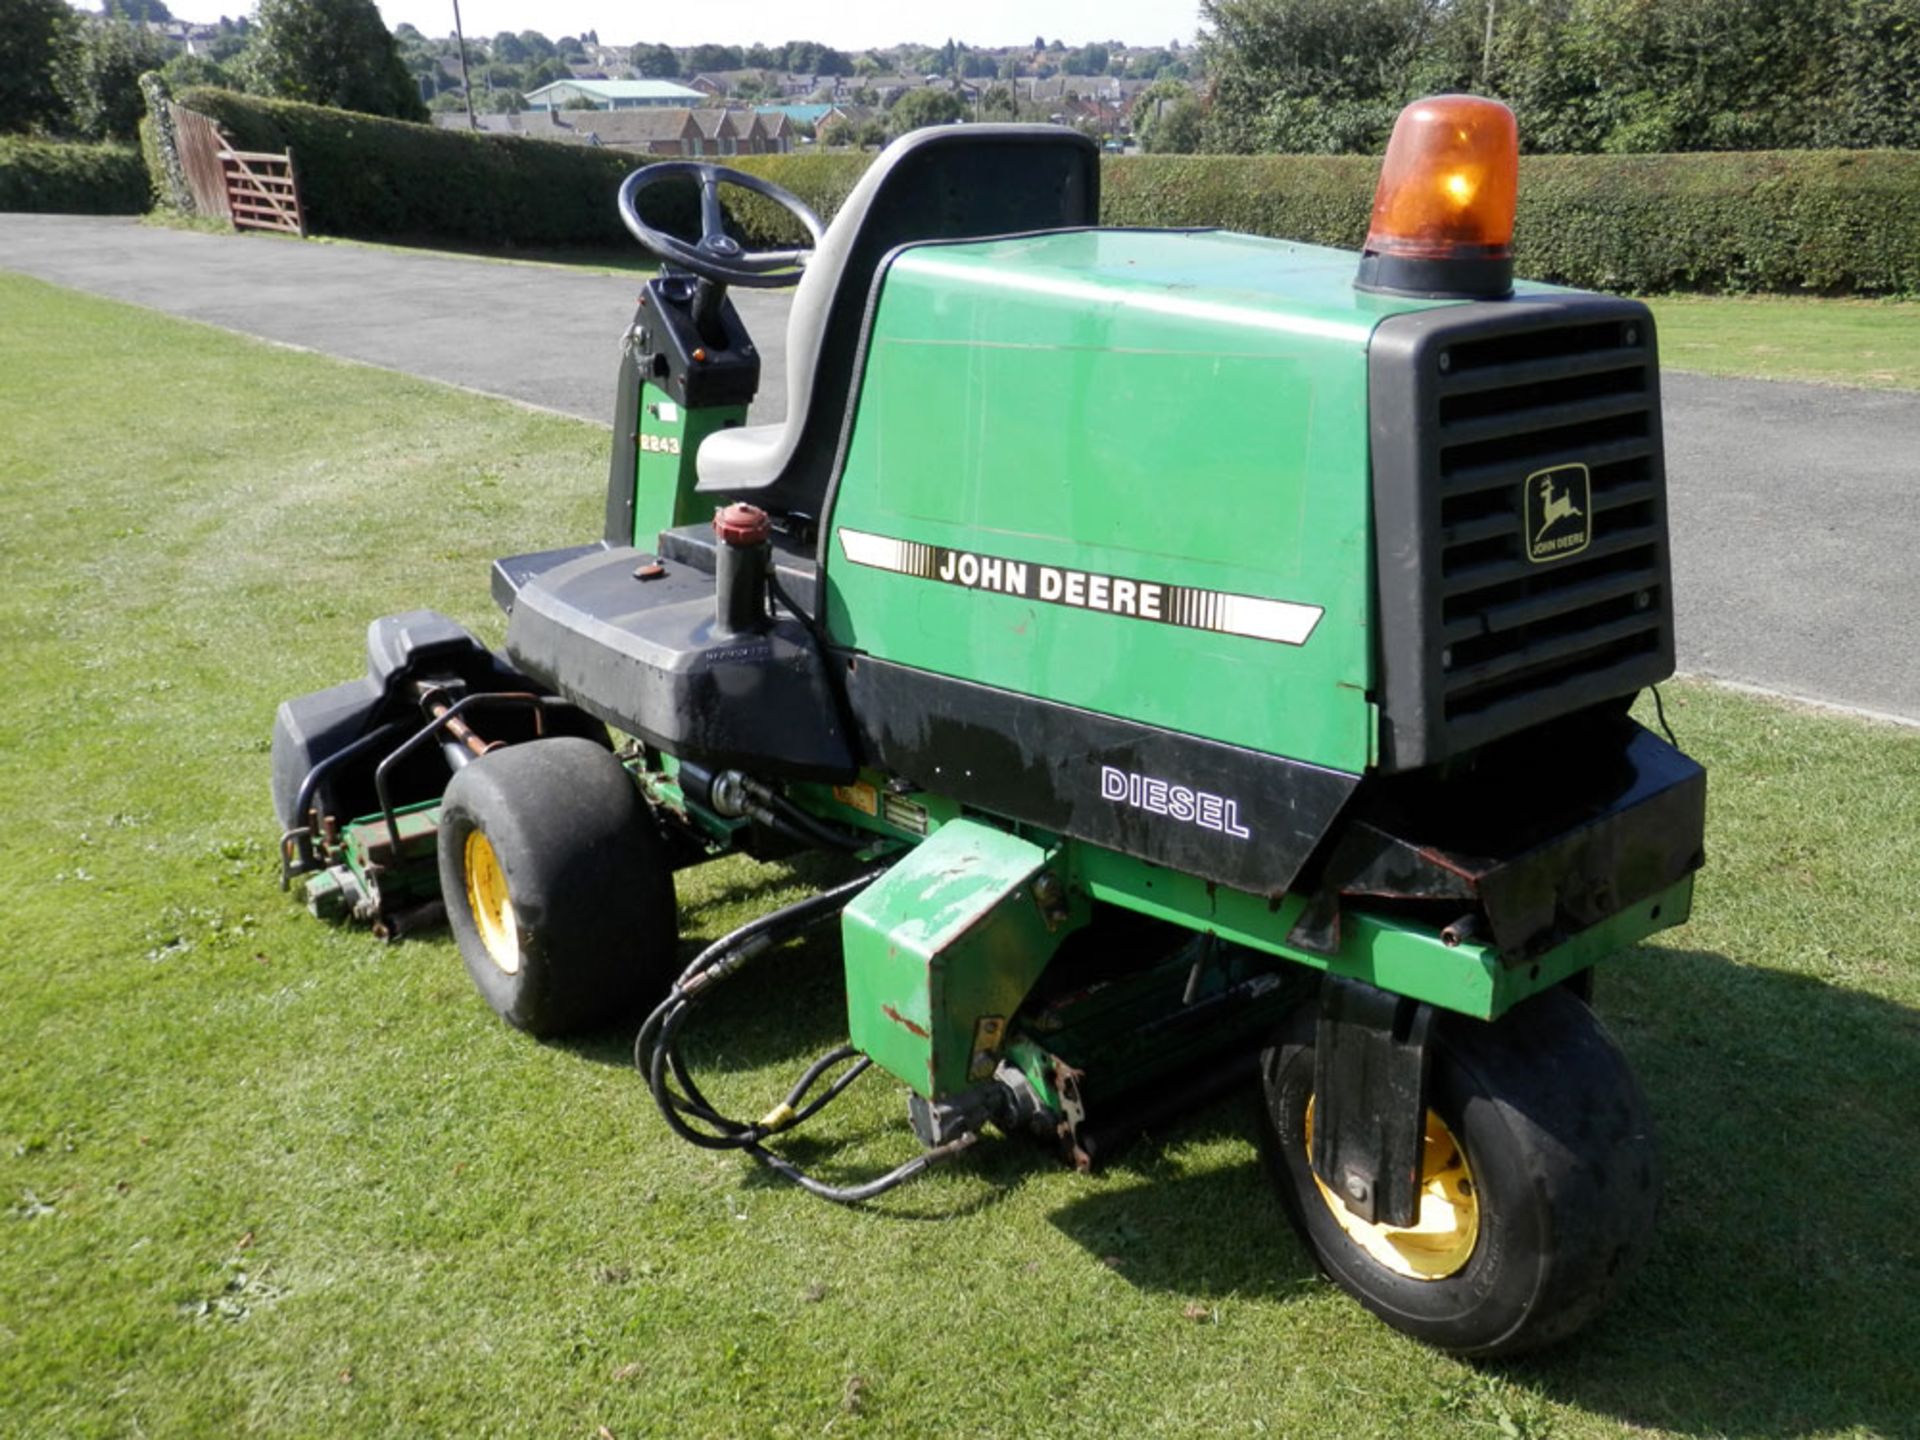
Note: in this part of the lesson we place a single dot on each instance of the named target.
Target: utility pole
(1486, 54)
(466, 85)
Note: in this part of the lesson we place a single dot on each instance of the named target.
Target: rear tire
(1556, 1162)
(557, 886)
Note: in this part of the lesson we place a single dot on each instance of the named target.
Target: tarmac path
(1795, 509)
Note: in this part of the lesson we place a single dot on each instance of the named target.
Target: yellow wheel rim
(1440, 1241)
(491, 905)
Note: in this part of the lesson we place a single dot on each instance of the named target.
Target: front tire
(557, 886)
(1540, 1180)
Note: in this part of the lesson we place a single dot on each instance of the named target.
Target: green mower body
(1200, 640)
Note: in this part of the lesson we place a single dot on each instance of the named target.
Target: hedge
(366, 176)
(1827, 221)
(1831, 221)
(45, 175)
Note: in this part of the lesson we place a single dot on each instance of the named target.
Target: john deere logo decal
(1559, 508)
(1258, 617)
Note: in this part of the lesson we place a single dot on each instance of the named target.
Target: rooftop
(611, 90)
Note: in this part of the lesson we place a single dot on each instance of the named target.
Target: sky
(844, 24)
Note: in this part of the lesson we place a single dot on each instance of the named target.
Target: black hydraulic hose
(807, 621)
(656, 1055)
(303, 800)
(868, 1190)
(817, 830)
(1660, 709)
(653, 1049)
(480, 699)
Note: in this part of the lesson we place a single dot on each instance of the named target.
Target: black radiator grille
(1498, 640)
(1510, 407)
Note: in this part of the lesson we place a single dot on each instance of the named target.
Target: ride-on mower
(1212, 654)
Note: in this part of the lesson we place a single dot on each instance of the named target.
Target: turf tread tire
(587, 872)
(1557, 1134)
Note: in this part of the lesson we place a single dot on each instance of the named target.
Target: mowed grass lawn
(262, 1176)
(1874, 343)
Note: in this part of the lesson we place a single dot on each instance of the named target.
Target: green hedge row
(370, 177)
(1829, 221)
(1832, 221)
(72, 179)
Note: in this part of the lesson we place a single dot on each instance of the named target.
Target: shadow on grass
(787, 1006)
(1203, 1233)
(1778, 1299)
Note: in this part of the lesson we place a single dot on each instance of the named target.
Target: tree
(138, 11)
(332, 52)
(538, 46)
(507, 49)
(1324, 76)
(810, 57)
(924, 107)
(655, 62)
(999, 101)
(32, 34)
(1166, 119)
(705, 58)
(1088, 60)
(1616, 76)
(99, 76)
(233, 37)
(184, 71)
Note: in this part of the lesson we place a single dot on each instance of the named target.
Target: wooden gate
(248, 189)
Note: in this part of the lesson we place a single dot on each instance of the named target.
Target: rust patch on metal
(899, 1019)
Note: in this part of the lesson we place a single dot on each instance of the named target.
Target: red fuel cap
(742, 524)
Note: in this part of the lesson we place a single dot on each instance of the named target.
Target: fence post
(293, 184)
(154, 90)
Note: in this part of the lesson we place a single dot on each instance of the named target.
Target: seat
(950, 182)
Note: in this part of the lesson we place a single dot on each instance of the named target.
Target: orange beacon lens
(1443, 214)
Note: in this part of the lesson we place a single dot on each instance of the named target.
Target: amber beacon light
(1443, 216)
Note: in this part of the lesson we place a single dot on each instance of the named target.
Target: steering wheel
(717, 256)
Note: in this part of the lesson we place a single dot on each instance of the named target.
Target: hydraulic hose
(695, 1119)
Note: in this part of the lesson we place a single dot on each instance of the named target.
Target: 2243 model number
(660, 444)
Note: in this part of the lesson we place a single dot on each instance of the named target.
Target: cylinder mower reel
(1325, 788)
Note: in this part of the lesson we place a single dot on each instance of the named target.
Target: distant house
(771, 134)
(719, 135)
(723, 82)
(611, 95)
(799, 114)
(651, 130)
(743, 132)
